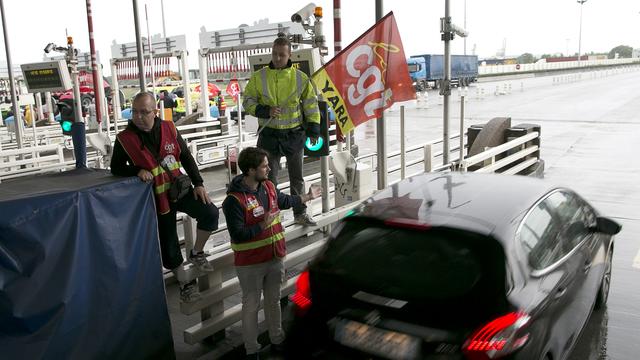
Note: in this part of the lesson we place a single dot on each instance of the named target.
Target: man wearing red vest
(136, 152)
(252, 211)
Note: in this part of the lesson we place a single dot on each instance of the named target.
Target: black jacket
(234, 212)
(122, 165)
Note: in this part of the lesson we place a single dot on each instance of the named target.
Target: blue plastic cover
(80, 269)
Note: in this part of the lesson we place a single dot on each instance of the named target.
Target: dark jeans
(206, 216)
(290, 144)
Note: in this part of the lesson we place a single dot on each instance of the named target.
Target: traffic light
(67, 115)
(321, 147)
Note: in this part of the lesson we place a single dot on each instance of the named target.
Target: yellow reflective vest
(289, 89)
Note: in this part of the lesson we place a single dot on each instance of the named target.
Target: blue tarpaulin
(80, 269)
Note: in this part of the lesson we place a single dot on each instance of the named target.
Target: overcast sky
(536, 26)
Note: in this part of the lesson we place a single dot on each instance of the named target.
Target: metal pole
(337, 46)
(465, 26)
(239, 112)
(381, 130)
(39, 105)
(97, 83)
(141, 78)
(185, 83)
(204, 88)
(115, 95)
(461, 128)
(403, 160)
(50, 116)
(17, 118)
(581, 2)
(161, 107)
(153, 76)
(103, 100)
(446, 85)
(33, 124)
(164, 28)
(78, 131)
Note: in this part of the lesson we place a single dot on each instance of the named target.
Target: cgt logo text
(367, 79)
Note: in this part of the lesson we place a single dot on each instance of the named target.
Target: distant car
(456, 266)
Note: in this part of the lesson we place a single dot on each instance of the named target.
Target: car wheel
(603, 292)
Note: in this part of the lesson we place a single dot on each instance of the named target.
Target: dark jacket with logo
(235, 215)
(122, 165)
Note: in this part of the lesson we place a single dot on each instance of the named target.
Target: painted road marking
(636, 260)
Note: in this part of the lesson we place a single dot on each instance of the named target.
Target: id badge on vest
(258, 211)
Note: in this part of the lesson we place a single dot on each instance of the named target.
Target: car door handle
(560, 293)
(587, 266)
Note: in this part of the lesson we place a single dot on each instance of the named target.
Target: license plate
(384, 343)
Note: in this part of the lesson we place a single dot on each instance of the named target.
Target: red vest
(267, 244)
(143, 158)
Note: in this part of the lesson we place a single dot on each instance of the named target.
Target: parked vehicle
(427, 71)
(456, 266)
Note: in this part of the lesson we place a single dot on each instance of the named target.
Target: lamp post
(581, 2)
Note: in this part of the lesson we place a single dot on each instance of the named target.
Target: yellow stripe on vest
(257, 244)
(162, 188)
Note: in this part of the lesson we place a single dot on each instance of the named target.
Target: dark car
(456, 266)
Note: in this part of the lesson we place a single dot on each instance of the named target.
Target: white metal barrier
(544, 66)
(518, 144)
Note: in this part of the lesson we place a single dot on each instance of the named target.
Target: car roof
(490, 204)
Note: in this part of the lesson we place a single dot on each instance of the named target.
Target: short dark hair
(280, 41)
(251, 158)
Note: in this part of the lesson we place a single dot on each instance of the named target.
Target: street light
(580, 34)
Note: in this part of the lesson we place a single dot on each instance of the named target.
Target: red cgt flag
(233, 89)
(367, 77)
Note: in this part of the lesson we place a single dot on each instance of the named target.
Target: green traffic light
(66, 125)
(315, 147)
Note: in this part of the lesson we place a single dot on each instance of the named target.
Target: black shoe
(253, 356)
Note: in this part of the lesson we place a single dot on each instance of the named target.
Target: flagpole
(381, 131)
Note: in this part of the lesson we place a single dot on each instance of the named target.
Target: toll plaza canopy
(80, 269)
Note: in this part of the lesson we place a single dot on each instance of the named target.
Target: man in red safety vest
(154, 151)
(252, 211)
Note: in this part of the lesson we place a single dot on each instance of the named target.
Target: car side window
(538, 237)
(553, 228)
(574, 219)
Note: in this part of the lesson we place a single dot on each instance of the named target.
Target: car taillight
(498, 338)
(407, 224)
(302, 297)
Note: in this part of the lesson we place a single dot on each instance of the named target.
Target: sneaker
(189, 292)
(199, 260)
(305, 220)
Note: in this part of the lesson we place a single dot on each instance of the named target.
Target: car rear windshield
(434, 265)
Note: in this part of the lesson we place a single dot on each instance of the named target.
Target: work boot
(189, 292)
(305, 220)
(199, 260)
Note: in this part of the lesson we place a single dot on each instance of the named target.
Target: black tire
(605, 285)
(86, 101)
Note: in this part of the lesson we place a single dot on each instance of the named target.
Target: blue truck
(426, 71)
